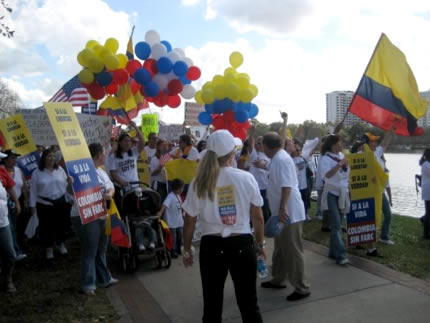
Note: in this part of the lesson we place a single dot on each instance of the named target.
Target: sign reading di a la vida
(79, 164)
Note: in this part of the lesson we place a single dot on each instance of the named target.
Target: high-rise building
(337, 103)
(425, 121)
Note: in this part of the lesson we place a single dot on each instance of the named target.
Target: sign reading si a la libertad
(79, 164)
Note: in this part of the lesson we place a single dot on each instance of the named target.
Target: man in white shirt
(151, 147)
(286, 203)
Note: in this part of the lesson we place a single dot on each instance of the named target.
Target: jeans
(7, 252)
(319, 193)
(337, 246)
(94, 243)
(265, 208)
(237, 255)
(141, 231)
(177, 239)
(427, 220)
(13, 229)
(386, 223)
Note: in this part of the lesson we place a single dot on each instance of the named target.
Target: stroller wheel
(128, 261)
(164, 258)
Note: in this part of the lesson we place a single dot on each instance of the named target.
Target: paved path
(362, 292)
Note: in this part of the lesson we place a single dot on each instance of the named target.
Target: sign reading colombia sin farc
(79, 164)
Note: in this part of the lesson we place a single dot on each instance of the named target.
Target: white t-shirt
(173, 211)
(282, 173)
(300, 163)
(161, 177)
(126, 167)
(425, 181)
(340, 179)
(47, 184)
(17, 178)
(150, 152)
(319, 181)
(259, 174)
(229, 212)
(192, 155)
(4, 221)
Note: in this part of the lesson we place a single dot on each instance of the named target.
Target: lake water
(403, 168)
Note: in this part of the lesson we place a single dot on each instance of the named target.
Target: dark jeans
(53, 223)
(427, 220)
(237, 255)
(177, 239)
(265, 208)
(306, 199)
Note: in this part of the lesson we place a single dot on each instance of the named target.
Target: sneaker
(308, 218)
(318, 217)
(387, 242)
(20, 257)
(344, 262)
(141, 247)
(295, 296)
(10, 288)
(49, 253)
(152, 245)
(374, 253)
(111, 282)
(88, 292)
(62, 249)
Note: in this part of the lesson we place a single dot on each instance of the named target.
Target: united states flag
(72, 92)
(164, 159)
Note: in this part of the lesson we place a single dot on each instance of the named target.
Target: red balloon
(175, 87)
(134, 86)
(244, 125)
(229, 117)
(193, 73)
(161, 99)
(174, 101)
(132, 66)
(96, 91)
(151, 65)
(240, 133)
(112, 88)
(120, 76)
(218, 122)
(418, 131)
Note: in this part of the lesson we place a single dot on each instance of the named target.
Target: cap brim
(2, 155)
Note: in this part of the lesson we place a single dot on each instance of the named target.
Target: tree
(4, 28)
(9, 101)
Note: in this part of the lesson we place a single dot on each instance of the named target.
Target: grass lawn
(48, 292)
(410, 254)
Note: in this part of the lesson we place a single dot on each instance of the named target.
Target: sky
(295, 51)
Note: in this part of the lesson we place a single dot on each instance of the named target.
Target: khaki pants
(288, 258)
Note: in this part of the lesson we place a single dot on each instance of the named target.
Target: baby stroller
(139, 206)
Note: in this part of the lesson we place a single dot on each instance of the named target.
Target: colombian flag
(111, 106)
(387, 95)
(116, 228)
(183, 169)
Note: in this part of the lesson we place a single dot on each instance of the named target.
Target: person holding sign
(186, 150)
(225, 199)
(335, 196)
(48, 195)
(92, 235)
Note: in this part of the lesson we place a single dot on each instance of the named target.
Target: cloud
(25, 94)
(190, 3)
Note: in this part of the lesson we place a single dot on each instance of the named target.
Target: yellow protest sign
(143, 169)
(367, 183)
(149, 124)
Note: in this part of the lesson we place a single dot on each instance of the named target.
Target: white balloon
(174, 57)
(188, 92)
(188, 61)
(171, 75)
(152, 37)
(161, 80)
(180, 52)
(158, 50)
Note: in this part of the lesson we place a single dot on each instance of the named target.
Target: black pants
(427, 220)
(177, 234)
(53, 223)
(237, 255)
(265, 208)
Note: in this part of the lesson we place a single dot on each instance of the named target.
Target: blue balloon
(180, 68)
(142, 76)
(151, 89)
(142, 50)
(167, 44)
(253, 111)
(184, 80)
(104, 78)
(209, 108)
(205, 118)
(164, 65)
(219, 106)
(241, 116)
(228, 104)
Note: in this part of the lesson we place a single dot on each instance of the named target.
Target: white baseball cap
(238, 142)
(2, 155)
(221, 142)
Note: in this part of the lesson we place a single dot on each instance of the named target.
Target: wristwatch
(187, 254)
(260, 245)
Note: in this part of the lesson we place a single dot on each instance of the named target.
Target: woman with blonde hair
(225, 199)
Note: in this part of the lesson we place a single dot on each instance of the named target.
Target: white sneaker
(62, 249)
(152, 245)
(20, 257)
(344, 262)
(141, 247)
(387, 242)
(318, 217)
(49, 253)
(112, 281)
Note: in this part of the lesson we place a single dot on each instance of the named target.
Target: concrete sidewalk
(362, 292)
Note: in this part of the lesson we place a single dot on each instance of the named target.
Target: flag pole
(340, 125)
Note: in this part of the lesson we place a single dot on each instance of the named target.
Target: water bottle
(262, 270)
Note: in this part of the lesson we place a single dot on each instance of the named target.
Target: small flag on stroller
(116, 228)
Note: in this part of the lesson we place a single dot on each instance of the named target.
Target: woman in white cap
(225, 199)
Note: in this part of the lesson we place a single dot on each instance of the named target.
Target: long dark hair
(425, 157)
(95, 149)
(157, 147)
(118, 153)
(42, 163)
(356, 146)
(329, 143)
(245, 148)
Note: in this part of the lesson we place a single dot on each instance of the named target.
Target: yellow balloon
(91, 44)
(198, 97)
(208, 86)
(95, 65)
(98, 50)
(246, 95)
(230, 75)
(85, 56)
(218, 79)
(220, 91)
(86, 76)
(105, 52)
(233, 91)
(81, 60)
(111, 62)
(208, 96)
(254, 89)
(123, 59)
(112, 44)
(236, 59)
(242, 81)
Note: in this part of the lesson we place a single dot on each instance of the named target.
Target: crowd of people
(237, 189)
